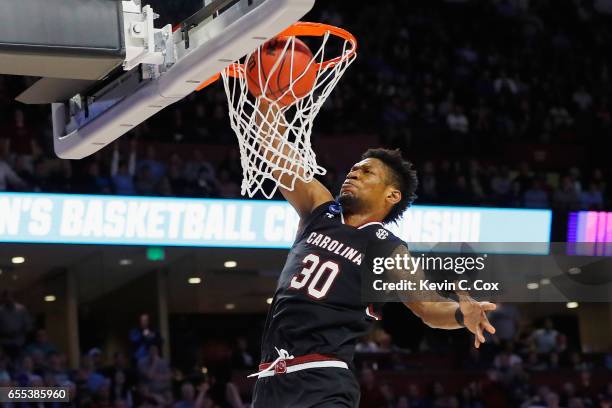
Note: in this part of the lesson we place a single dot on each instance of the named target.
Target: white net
(274, 138)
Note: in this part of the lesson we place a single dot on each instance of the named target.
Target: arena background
(498, 103)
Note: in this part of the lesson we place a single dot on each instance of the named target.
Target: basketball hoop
(273, 136)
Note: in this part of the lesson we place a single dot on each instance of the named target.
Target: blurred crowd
(461, 84)
(140, 170)
(523, 365)
(138, 377)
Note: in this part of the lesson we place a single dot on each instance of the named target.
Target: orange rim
(300, 29)
(304, 29)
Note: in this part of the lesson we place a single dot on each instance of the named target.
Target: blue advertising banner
(122, 220)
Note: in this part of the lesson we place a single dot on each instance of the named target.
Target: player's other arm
(304, 197)
(439, 312)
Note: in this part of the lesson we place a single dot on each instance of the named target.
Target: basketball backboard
(160, 66)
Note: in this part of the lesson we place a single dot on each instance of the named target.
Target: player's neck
(357, 220)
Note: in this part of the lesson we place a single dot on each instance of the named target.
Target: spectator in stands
(439, 397)
(506, 320)
(122, 171)
(145, 182)
(241, 357)
(371, 393)
(592, 199)
(568, 393)
(20, 134)
(560, 116)
(507, 358)
(524, 177)
(25, 376)
(545, 338)
(97, 359)
(608, 359)
(142, 337)
(144, 397)
(228, 188)
(231, 163)
(156, 168)
(94, 182)
(155, 371)
(120, 388)
(191, 170)
(427, 183)
(8, 177)
(582, 98)
(606, 395)
(577, 363)
(15, 323)
(460, 192)
(505, 84)
(189, 398)
(57, 367)
(554, 363)
(223, 392)
(566, 198)
(458, 125)
(403, 402)
(585, 387)
(121, 365)
(474, 360)
(175, 177)
(366, 345)
(87, 379)
(536, 196)
(206, 184)
(41, 344)
(534, 364)
(470, 396)
(552, 400)
(500, 184)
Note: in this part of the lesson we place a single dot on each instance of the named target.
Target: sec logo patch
(382, 233)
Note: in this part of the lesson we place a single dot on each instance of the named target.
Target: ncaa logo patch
(335, 208)
(382, 233)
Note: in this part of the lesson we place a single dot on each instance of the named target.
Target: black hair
(402, 174)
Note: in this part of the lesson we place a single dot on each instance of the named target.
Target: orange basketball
(285, 75)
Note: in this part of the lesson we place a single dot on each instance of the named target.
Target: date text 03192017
(38, 394)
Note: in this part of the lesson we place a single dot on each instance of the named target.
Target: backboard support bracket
(163, 67)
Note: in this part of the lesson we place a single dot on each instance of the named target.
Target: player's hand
(475, 317)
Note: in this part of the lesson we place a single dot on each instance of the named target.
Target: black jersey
(317, 307)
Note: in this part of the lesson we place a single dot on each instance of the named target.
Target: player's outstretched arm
(439, 312)
(304, 197)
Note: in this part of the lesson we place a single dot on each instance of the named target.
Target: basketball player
(317, 313)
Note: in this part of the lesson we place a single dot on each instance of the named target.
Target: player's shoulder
(325, 212)
(379, 232)
(381, 239)
(328, 210)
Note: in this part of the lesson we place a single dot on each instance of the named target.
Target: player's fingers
(488, 306)
(476, 342)
(487, 326)
(479, 335)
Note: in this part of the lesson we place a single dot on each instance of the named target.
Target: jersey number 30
(318, 278)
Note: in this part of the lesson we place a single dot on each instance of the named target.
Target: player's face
(366, 186)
